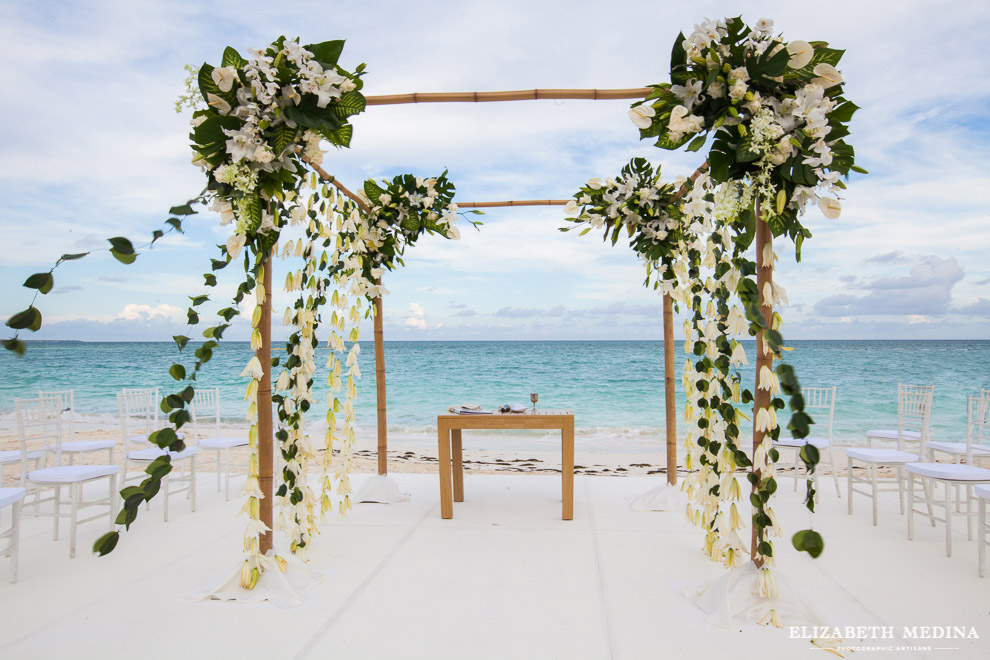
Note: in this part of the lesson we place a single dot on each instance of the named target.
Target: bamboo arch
(265, 431)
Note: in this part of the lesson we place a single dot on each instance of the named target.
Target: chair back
(138, 411)
(819, 402)
(206, 404)
(38, 422)
(65, 401)
(914, 412)
(977, 424)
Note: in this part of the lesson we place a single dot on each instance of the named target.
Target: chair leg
(874, 477)
(849, 482)
(900, 486)
(58, 511)
(910, 511)
(926, 484)
(948, 521)
(981, 538)
(969, 513)
(76, 496)
(831, 466)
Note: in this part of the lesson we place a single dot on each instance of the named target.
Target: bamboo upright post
(761, 398)
(266, 439)
(668, 388)
(380, 387)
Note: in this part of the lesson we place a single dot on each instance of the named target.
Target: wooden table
(449, 429)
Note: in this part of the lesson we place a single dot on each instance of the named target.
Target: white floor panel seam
(602, 589)
(318, 636)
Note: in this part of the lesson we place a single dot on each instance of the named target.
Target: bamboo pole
(265, 437)
(380, 386)
(523, 202)
(668, 388)
(761, 398)
(513, 95)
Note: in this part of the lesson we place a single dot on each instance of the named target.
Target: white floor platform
(505, 578)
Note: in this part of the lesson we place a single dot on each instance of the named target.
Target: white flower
(253, 369)
(738, 90)
(689, 93)
(217, 103)
(196, 121)
(241, 144)
(769, 381)
(764, 25)
(738, 355)
(234, 244)
(595, 183)
(682, 122)
(571, 207)
(739, 73)
(453, 232)
(801, 52)
(830, 207)
(828, 75)
(224, 77)
(641, 116)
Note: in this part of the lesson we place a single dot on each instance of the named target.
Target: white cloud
(416, 317)
(134, 312)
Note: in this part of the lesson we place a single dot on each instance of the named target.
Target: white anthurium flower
(235, 243)
(571, 207)
(224, 77)
(595, 183)
(642, 116)
(738, 356)
(217, 103)
(801, 53)
(253, 369)
(828, 75)
(831, 208)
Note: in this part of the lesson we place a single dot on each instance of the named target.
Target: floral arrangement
(778, 118)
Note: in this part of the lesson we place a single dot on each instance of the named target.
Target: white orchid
(689, 94)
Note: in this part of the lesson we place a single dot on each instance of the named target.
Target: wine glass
(534, 398)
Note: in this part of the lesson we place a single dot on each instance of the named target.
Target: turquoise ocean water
(615, 388)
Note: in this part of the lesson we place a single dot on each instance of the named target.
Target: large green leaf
(810, 541)
(372, 190)
(821, 55)
(340, 137)
(283, 136)
(310, 115)
(210, 136)
(326, 52)
(232, 58)
(29, 319)
(207, 86)
(349, 104)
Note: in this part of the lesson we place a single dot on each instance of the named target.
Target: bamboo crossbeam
(521, 202)
(331, 179)
(513, 95)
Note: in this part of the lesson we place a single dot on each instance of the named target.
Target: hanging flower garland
(779, 122)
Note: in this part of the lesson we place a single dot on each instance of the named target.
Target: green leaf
(72, 257)
(810, 541)
(29, 319)
(106, 543)
(340, 137)
(350, 104)
(210, 279)
(155, 235)
(180, 340)
(310, 115)
(126, 259)
(177, 371)
(43, 282)
(283, 136)
(176, 224)
(823, 54)
(326, 52)
(198, 300)
(697, 143)
(121, 245)
(372, 190)
(14, 345)
(232, 58)
(184, 209)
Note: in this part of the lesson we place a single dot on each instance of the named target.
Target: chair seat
(891, 434)
(819, 443)
(982, 492)
(222, 443)
(950, 471)
(79, 446)
(151, 453)
(10, 495)
(14, 456)
(71, 474)
(872, 455)
(957, 448)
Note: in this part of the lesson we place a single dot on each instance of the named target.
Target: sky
(93, 148)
